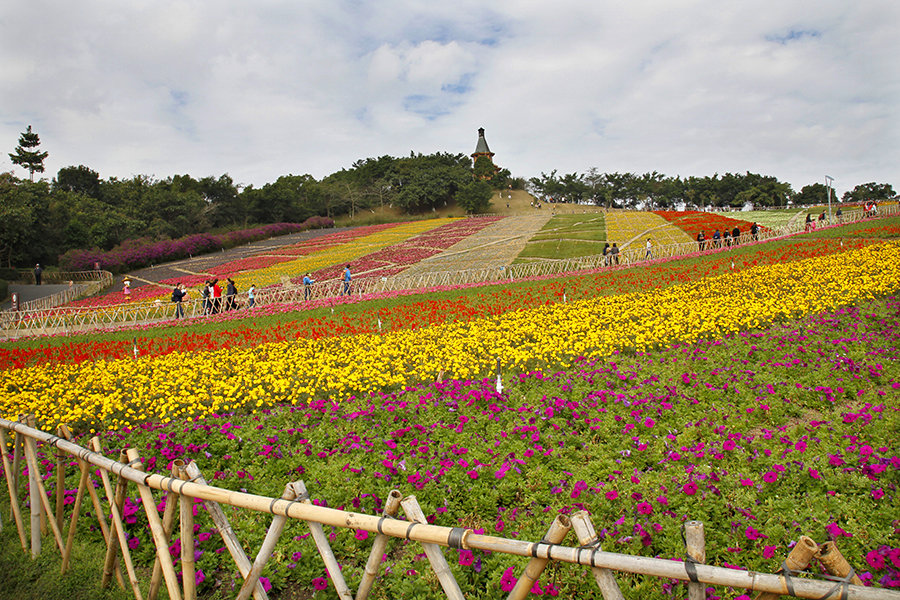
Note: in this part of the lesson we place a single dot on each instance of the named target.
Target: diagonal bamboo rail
(413, 530)
(71, 320)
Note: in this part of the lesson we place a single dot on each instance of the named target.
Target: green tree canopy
(27, 155)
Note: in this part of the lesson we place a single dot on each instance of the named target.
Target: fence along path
(186, 483)
(70, 320)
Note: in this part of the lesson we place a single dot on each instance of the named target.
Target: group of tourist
(610, 255)
(211, 295)
(724, 239)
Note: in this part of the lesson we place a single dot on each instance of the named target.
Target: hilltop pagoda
(483, 158)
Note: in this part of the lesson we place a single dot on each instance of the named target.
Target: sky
(793, 89)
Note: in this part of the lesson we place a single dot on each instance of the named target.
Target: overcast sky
(266, 88)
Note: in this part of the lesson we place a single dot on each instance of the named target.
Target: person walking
(345, 291)
(230, 295)
(606, 254)
(205, 296)
(615, 252)
(736, 235)
(754, 232)
(251, 296)
(717, 239)
(178, 295)
(37, 274)
(216, 296)
(307, 281)
(701, 241)
(649, 253)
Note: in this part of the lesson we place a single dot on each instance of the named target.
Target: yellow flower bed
(343, 254)
(126, 392)
(623, 227)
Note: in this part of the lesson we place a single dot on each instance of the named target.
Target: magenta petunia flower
(320, 583)
(814, 474)
(508, 581)
(612, 495)
(644, 508)
(361, 534)
(770, 477)
(769, 551)
(747, 482)
(466, 557)
(690, 488)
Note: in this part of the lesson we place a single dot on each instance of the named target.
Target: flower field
(760, 397)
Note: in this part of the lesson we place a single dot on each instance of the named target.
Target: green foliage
(27, 155)
(869, 191)
(474, 196)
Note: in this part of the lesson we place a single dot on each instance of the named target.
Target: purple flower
(770, 477)
(644, 508)
(320, 583)
(690, 488)
(508, 581)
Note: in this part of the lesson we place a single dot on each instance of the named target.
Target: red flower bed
(693, 222)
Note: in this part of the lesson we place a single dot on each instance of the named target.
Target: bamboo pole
(378, 546)
(17, 458)
(30, 442)
(695, 543)
(70, 538)
(228, 537)
(13, 497)
(117, 530)
(835, 563)
(799, 558)
(156, 529)
(60, 482)
(433, 551)
(557, 532)
(34, 499)
(168, 523)
(456, 537)
(318, 534)
(187, 538)
(268, 545)
(587, 536)
(31, 459)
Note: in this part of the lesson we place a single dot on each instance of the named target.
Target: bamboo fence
(71, 320)
(186, 484)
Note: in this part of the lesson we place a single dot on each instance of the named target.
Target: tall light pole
(828, 181)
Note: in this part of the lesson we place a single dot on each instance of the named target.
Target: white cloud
(792, 89)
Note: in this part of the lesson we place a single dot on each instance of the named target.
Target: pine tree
(27, 154)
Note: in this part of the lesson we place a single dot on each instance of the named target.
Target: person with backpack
(205, 294)
(179, 294)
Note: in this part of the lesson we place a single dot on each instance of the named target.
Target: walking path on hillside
(494, 246)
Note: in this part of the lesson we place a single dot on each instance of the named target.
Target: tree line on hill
(42, 220)
(657, 191)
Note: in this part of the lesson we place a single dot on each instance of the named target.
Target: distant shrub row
(137, 253)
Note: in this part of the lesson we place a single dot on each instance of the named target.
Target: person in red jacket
(217, 296)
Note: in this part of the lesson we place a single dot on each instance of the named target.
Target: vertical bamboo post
(33, 496)
(70, 539)
(186, 504)
(224, 528)
(797, 560)
(13, 496)
(60, 481)
(30, 443)
(695, 542)
(557, 532)
(156, 529)
(433, 551)
(584, 530)
(835, 563)
(17, 458)
(117, 531)
(268, 545)
(168, 523)
(378, 547)
(318, 534)
(31, 459)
